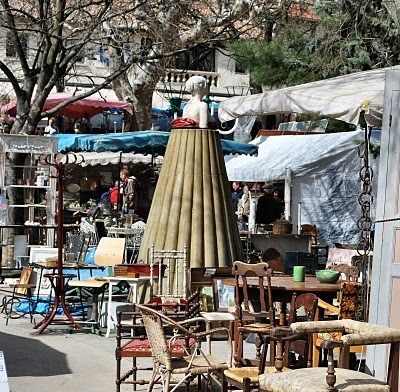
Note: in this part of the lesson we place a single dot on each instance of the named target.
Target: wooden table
(283, 287)
(97, 287)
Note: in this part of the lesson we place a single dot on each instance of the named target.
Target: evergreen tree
(345, 36)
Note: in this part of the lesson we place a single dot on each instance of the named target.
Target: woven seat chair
(189, 366)
(132, 342)
(322, 379)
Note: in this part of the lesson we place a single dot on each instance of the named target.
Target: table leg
(95, 299)
(282, 315)
(208, 328)
(110, 286)
(134, 292)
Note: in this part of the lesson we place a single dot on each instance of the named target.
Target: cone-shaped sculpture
(192, 202)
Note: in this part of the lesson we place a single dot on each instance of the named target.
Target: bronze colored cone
(192, 202)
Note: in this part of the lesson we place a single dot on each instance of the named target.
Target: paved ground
(63, 362)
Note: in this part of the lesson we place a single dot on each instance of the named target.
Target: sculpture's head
(195, 83)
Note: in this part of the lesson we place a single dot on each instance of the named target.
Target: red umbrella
(85, 107)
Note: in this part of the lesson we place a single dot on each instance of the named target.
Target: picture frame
(202, 279)
(224, 296)
(207, 298)
(37, 255)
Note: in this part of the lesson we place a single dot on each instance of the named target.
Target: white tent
(325, 178)
(342, 98)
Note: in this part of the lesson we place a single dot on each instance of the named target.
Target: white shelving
(39, 197)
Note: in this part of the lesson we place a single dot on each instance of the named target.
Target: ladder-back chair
(176, 266)
(254, 305)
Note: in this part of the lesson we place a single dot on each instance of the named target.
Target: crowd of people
(125, 188)
(270, 205)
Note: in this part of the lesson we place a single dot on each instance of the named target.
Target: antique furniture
(97, 288)
(21, 295)
(188, 366)
(208, 279)
(347, 309)
(32, 190)
(282, 288)
(176, 273)
(132, 342)
(136, 345)
(254, 311)
(246, 378)
(306, 304)
(354, 333)
(133, 236)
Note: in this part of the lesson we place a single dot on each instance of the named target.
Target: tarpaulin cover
(143, 142)
(343, 98)
(85, 107)
(325, 178)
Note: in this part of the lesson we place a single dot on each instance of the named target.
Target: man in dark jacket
(237, 193)
(269, 209)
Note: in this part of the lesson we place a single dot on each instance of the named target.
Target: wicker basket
(281, 226)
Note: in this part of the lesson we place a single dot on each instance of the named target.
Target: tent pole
(288, 193)
(119, 181)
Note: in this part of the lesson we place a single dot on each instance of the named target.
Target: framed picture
(207, 299)
(224, 296)
(40, 254)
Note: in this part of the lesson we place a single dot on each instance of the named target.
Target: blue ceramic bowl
(327, 276)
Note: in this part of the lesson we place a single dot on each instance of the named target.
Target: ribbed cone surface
(192, 202)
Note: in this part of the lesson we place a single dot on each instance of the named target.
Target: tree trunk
(142, 107)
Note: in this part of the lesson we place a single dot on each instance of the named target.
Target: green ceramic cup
(299, 273)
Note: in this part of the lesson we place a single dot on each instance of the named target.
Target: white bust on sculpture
(196, 109)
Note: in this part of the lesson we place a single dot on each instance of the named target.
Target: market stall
(343, 98)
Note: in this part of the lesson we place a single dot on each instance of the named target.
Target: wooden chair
(21, 294)
(353, 333)
(254, 309)
(347, 309)
(188, 366)
(257, 317)
(307, 304)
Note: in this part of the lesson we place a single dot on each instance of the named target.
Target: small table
(114, 280)
(217, 317)
(58, 284)
(97, 287)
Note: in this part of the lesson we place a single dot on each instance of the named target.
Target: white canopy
(302, 153)
(343, 98)
(105, 158)
(325, 178)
